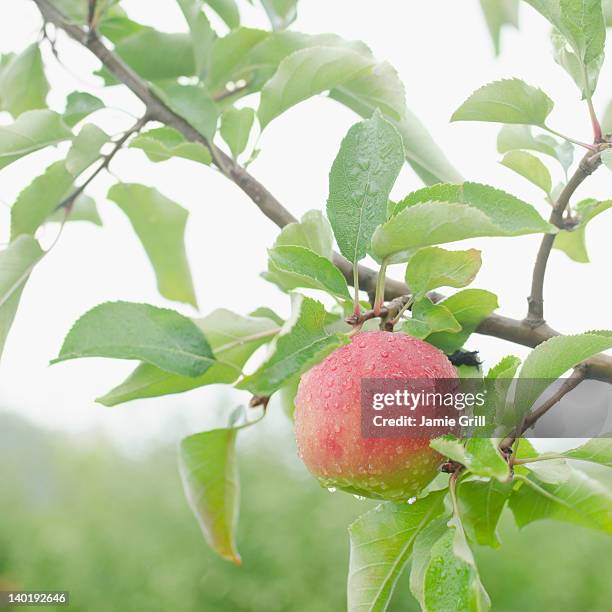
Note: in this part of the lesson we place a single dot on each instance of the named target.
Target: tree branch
(600, 367)
(535, 313)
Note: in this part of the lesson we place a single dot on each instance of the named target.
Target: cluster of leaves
(201, 76)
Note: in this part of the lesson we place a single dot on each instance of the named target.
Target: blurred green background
(78, 514)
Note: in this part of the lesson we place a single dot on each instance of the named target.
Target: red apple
(328, 418)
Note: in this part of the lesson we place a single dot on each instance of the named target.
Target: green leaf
(486, 458)
(233, 339)
(155, 56)
(432, 267)
(23, 84)
(32, 131)
(313, 232)
(5, 59)
(580, 21)
(552, 359)
(429, 223)
(193, 104)
(281, 13)
(516, 137)
(479, 455)
(79, 105)
(449, 213)
(498, 381)
(202, 34)
(551, 471)
(264, 312)
(236, 127)
(16, 264)
(584, 75)
(507, 101)
(445, 577)
(437, 317)
(581, 24)
(164, 143)
(301, 343)
(159, 223)
(124, 330)
(83, 209)
(481, 505)
(37, 202)
(85, 149)
(362, 176)
(300, 267)
(209, 471)
(227, 11)
(254, 55)
(607, 11)
(506, 368)
(529, 167)
(381, 88)
(416, 329)
(470, 307)
(228, 53)
(573, 242)
(119, 27)
(421, 555)
(498, 14)
(149, 381)
(579, 500)
(286, 396)
(606, 157)
(597, 450)
(306, 73)
(381, 543)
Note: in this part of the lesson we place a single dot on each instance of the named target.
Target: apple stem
(356, 320)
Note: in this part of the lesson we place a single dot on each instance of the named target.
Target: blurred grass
(115, 531)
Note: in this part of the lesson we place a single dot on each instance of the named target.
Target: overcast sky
(442, 51)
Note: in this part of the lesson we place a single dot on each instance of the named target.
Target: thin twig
(585, 145)
(578, 375)
(106, 160)
(535, 313)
